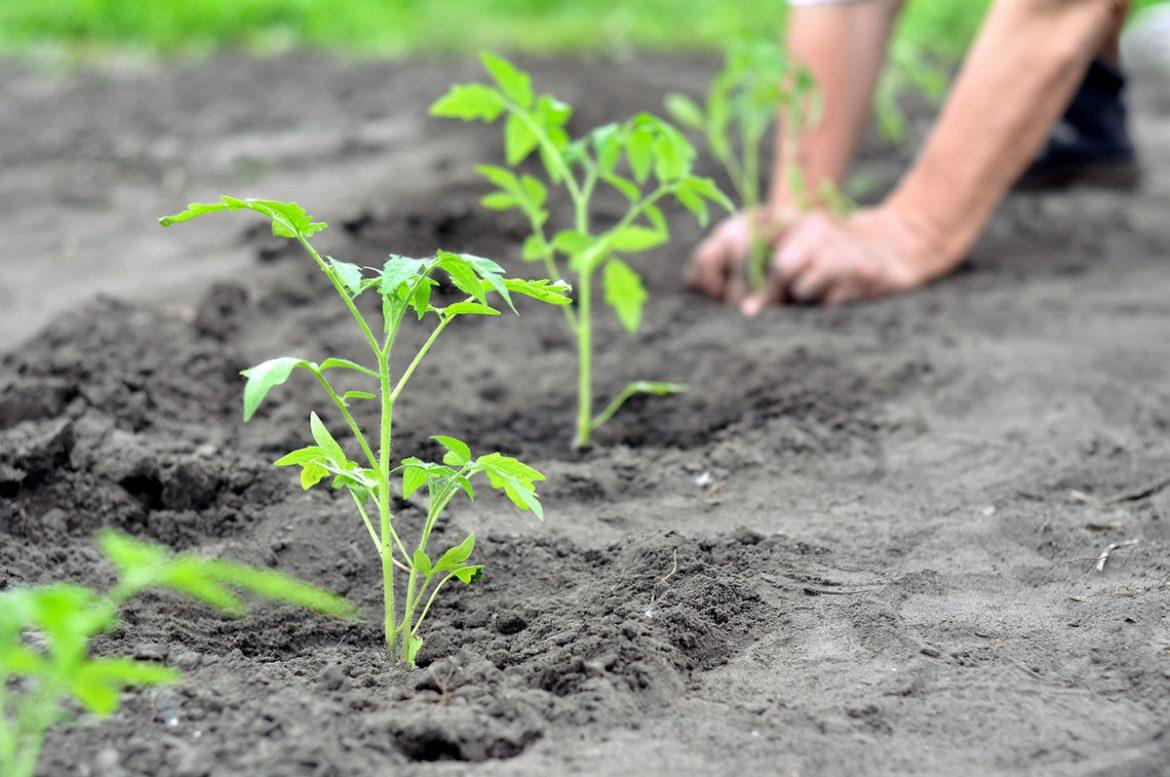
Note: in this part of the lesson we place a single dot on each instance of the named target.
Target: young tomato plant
(757, 85)
(46, 631)
(403, 286)
(652, 149)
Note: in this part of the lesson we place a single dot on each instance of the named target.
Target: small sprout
(46, 634)
(403, 287)
(757, 84)
(646, 159)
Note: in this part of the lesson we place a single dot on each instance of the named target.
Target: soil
(863, 543)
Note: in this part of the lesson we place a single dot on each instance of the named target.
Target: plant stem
(418, 357)
(430, 601)
(391, 631)
(353, 426)
(584, 358)
(341, 290)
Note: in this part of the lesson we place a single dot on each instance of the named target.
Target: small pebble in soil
(929, 651)
(704, 479)
(166, 707)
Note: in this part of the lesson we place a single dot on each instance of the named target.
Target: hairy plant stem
(391, 630)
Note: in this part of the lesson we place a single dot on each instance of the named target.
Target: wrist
(932, 250)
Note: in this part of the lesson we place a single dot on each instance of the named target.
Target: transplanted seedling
(757, 84)
(403, 286)
(657, 166)
(46, 633)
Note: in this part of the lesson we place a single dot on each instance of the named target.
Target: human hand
(821, 258)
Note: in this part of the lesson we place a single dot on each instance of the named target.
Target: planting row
(46, 632)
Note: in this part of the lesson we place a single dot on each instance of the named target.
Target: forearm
(844, 46)
(1016, 81)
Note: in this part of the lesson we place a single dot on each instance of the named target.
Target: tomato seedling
(757, 84)
(651, 147)
(46, 633)
(404, 287)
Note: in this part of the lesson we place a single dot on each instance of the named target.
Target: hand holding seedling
(658, 158)
(825, 258)
(403, 286)
(46, 631)
(757, 86)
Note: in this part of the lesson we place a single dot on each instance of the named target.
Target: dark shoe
(1090, 145)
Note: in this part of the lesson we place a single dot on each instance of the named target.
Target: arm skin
(1016, 81)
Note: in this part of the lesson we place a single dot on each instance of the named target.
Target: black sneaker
(1090, 145)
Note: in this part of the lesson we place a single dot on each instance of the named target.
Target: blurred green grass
(934, 28)
(391, 27)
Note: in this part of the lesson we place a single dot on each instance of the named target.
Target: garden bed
(864, 542)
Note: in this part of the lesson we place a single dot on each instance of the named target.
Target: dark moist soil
(864, 543)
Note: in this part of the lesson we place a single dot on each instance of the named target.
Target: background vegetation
(389, 27)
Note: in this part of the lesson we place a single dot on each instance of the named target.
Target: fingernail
(752, 306)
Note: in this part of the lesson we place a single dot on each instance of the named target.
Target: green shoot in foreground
(650, 147)
(404, 287)
(46, 631)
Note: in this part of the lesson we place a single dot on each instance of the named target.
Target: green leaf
(329, 446)
(469, 309)
(454, 557)
(350, 275)
(413, 478)
(658, 388)
(143, 564)
(492, 274)
(516, 479)
(264, 377)
(542, 289)
(499, 201)
(669, 161)
(553, 114)
(358, 395)
(312, 474)
(535, 192)
(469, 102)
(98, 683)
(535, 248)
(625, 293)
(278, 587)
(513, 82)
(469, 574)
(422, 563)
(519, 140)
(707, 188)
(288, 219)
(463, 274)
(634, 238)
(333, 363)
(572, 243)
(685, 110)
(458, 452)
(500, 176)
(398, 272)
(640, 153)
(625, 186)
(301, 456)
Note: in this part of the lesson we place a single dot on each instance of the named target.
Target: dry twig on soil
(1104, 557)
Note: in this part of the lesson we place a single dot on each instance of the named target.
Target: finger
(706, 271)
(839, 293)
(812, 283)
(736, 289)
